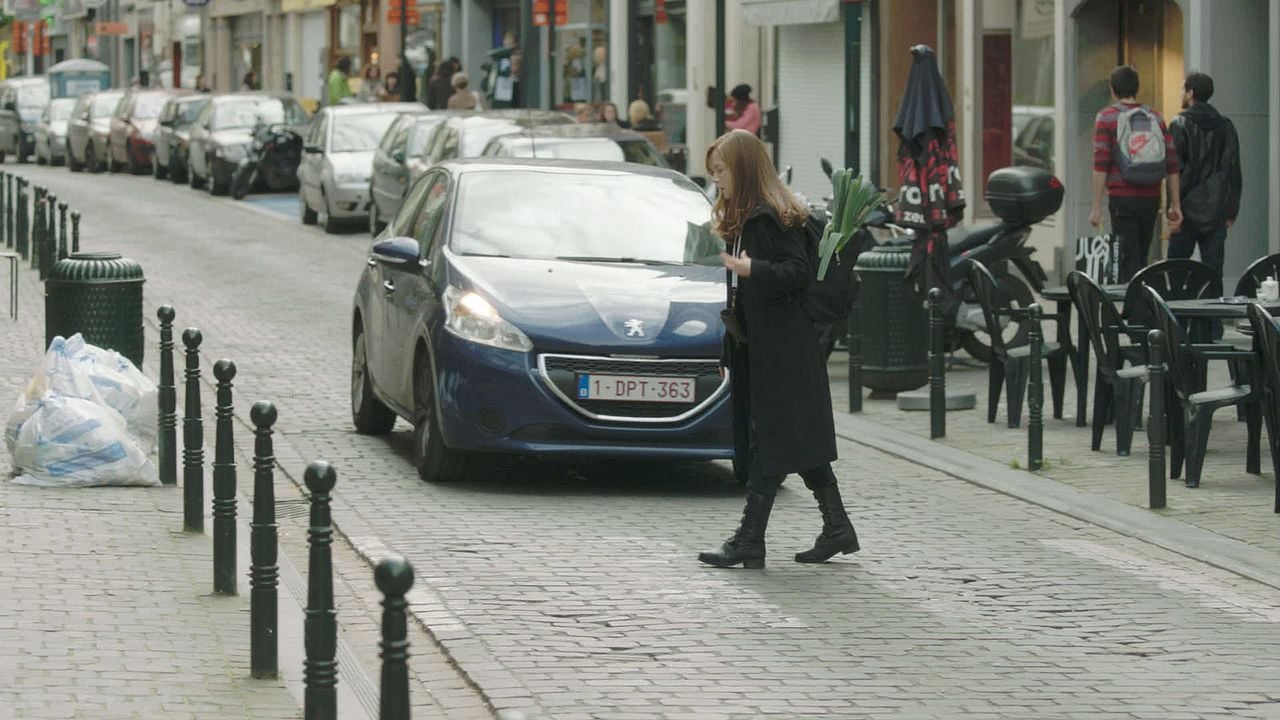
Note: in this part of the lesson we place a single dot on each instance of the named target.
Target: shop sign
(542, 12)
(411, 17)
(111, 28)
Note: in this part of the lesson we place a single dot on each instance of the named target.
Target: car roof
(190, 98)
(514, 118)
(32, 80)
(580, 130)
(516, 114)
(257, 95)
(594, 167)
(368, 108)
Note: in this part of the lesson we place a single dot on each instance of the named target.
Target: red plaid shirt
(1104, 150)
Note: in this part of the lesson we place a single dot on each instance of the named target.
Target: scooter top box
(1023, 195)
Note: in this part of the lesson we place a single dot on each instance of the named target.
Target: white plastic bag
(73, 442)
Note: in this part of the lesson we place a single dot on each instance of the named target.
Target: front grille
(560, 373)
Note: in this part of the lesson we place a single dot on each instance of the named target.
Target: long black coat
(779, 379)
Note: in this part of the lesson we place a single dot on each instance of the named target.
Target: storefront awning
(303, 5)
(790, 12)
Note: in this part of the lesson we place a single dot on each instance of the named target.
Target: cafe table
(1200, 314)
(1079, 351)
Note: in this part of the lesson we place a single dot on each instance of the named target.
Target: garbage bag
(76, 369)
(74, 442)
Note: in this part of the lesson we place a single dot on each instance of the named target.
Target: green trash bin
(894, 323)
(98, 295)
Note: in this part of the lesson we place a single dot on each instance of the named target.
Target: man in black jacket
(1209, 151)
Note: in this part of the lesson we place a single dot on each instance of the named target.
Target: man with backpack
(1209, 152)
(1132, 152)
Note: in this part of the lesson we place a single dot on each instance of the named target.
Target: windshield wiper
(592, 258)
(476, 254)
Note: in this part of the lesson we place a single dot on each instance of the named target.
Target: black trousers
(761, 484)
(1133, 220)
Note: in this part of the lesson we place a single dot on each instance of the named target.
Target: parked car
(594, 141)
(51, 132)
(21, 102)
(1033, 136)
(173, 135)
(544, 307)
(222, 133)
(131, 142)
(337, 160)
(87, 130)
(467, 136)
(400, 160)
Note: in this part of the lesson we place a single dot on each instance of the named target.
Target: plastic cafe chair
(1251, 280)
(1190, 412)
(1010, 365)
(1178, 279)
(1117, 390)
(1266, 333)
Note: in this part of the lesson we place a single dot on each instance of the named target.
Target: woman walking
(781, 400)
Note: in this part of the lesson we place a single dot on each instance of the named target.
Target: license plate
(636, 388)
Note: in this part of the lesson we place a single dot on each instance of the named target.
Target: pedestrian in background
(585, 113)
(641, 117)
(201, 85)
(370, 84)
(1132, 152)
(746, 112)
(1209, 153)
(390, 88)
(609, 114)
(338, 87)
(249, 82)
(440, 89)
(462, 97)
(782, 418)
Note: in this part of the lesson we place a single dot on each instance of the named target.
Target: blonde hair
(459, 80)
(638, 112)
(755, 183)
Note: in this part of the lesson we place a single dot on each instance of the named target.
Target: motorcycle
(1020, 197)
(272, 161)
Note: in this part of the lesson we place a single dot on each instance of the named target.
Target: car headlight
(350, 179)
(230, 153)
(471, 317)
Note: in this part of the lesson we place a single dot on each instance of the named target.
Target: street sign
(412, 17)
(542, 11)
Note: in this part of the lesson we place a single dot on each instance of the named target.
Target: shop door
(997, 103)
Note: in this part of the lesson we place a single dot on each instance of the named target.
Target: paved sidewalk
(109, 612)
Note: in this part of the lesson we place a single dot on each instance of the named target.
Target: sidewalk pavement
(108, 609)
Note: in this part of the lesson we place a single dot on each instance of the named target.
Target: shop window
(1033, 98)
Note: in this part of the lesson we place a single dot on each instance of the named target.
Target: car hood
(234, 136)
(101, 125)
(58, 128)
(352, 163)
(592, 307)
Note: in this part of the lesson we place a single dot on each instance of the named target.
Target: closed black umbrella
(930, 199)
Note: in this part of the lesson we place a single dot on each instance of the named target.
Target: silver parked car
(21, 102)
(51, 132)
(337, 160)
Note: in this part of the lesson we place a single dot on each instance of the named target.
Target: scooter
(271, 161)
(1020, 197)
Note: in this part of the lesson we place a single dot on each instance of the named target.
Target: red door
(997, 103)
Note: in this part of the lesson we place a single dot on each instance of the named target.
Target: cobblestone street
(573, 592)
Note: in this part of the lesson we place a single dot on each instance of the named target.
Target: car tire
(215, 187)
(91, 159)
(160, 172)
(331, 224)
(112, 166)
(194, 180)
(40, 160)
(132, 167)
(369, 415)
(435, 461)
(72, 165)
(309, 216)
(177, 176)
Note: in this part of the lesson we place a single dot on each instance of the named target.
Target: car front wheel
(309, 216)
(435, 461)
(368, 414)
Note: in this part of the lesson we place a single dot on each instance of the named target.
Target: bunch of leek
(855, 199)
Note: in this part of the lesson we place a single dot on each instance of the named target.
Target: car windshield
(607, 217)
(475, 138)
(33, 95)
(104, 105)
(149, 106)
(188, 112)
(60, 110)
(248, 113)
(636, 151)
(360, 131)
(420, 137)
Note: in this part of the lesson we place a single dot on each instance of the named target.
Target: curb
(1149, 526)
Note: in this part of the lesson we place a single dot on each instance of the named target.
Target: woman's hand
(740, 265)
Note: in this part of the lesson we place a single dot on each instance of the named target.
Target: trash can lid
(95, 267)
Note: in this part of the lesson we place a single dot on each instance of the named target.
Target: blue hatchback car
(545, 308)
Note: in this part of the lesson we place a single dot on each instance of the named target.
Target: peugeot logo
(635, 328)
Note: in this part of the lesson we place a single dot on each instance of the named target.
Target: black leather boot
(837, 534)
(746, 547)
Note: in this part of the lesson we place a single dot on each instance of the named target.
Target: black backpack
(829, 300)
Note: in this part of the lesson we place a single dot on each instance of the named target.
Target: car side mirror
(398, 251)
(398, 156)
(699, 180)
(312, 149)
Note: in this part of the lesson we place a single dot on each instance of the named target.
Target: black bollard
(1035, 392)
(224, 483)
(1156, 422)
(855, 361)
(75, 231)
(62, 230)
(263, 549)
(49, 251)
(167, 418)
(394, 577)
(192, 439)
(37, 226)
(937, 368)
(4, 209)
(20, 221)
(320, 628)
